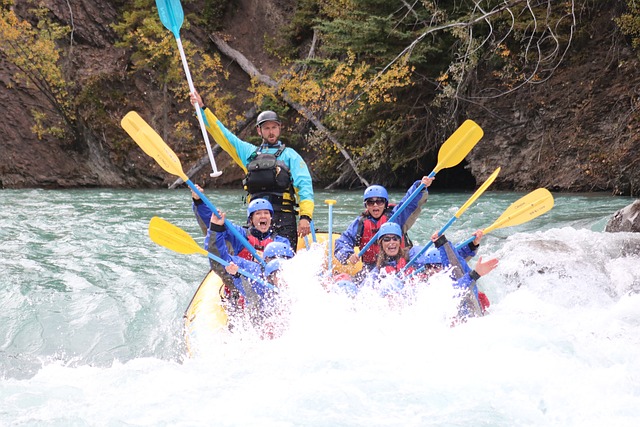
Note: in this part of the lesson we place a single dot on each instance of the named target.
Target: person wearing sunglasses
(377, 211)
(387, 276)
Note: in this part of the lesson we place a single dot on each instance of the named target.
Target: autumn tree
(34, 53)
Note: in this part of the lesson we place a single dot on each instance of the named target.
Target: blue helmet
(390, 228)
(375, 191)
(432, 256)
(278, 250)
(258, 205)
(273, 266)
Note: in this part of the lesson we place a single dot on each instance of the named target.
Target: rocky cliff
(577, 131)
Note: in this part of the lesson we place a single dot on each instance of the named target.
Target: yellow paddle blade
(152, 144)
(524, 209)
(478, 193)
(172, 237)
(459, 144)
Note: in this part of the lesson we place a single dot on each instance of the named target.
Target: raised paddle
(456, 215)
(172, 16)
(152, 144)
(522, 210)
(330, 202)
(454, 149)
(175, 238)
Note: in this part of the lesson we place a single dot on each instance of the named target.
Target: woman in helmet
(376, 213)
(274, 172)
(259, 232)
(237, 289)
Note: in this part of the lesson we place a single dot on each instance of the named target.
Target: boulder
(626, 219)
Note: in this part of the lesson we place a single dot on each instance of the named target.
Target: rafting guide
(274, 171)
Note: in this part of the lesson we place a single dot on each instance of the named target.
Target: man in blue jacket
(273, 171)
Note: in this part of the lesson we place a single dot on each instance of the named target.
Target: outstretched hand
(485, 267)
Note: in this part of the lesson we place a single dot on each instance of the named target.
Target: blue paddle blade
(171, 15)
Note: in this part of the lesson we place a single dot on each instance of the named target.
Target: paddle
(522, 210)
(330, 202)
(152, 144)
(171, 15)
(456, 215)
(454, 149)
(173, 237)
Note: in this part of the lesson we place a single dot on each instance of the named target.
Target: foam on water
(91, 331)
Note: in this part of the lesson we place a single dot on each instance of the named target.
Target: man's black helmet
(267, 116)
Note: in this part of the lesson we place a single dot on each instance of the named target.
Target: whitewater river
(91, 324)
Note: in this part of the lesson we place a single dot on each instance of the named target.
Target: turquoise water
(90, 327)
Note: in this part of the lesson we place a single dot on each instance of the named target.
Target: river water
(91, 324)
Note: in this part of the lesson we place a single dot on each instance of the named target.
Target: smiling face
(375, 206)
(390, 244)
(270, 132)
(261, 220)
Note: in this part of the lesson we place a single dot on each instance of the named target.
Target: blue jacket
(345, 244)
(241, 151)
(465, 282)
(249, 266)
(203, 216)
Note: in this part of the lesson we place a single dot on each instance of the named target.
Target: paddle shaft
(330, 248)
(229, 226)
(455, 216)
(243, 272)
(203, 128)
(396, 213)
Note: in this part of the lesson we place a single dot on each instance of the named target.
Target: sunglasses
(387, 239)
(371, 202)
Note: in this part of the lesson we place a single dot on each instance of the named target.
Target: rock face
(626, 219)
(578, 132)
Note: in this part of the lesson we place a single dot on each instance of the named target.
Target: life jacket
(258, 244)
(400, 264)
(367, 228)
(269, 178)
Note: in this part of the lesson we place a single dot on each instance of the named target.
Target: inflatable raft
(205, 316)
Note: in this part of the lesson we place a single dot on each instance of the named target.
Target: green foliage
(154, 52)
(213, 14)
(34, 53)
(629, 23)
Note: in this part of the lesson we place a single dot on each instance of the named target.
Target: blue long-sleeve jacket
(345, 244)
(241, 151)
(251, 267)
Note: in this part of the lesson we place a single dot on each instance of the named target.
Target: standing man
(273, 172)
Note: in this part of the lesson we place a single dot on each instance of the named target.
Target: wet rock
(626, 219)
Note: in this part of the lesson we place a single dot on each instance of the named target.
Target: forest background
(368, 89)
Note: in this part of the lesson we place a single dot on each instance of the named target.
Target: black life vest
(269, 178)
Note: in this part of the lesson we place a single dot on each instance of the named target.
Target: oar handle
(313, 231)
(243, 272)
(227, 223)
(192, 89)
(466, 242)
(330, 202)
(395, 214)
